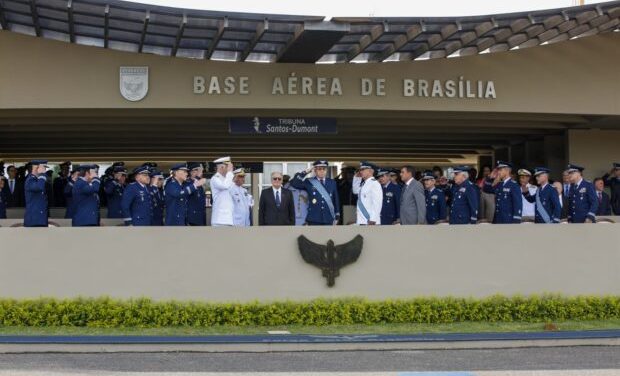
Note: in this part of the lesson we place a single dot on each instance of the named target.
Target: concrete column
(255, 189)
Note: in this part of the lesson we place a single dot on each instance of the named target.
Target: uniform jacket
(114, 194)
(222, 212)
(86, 202)
(465, 203)
(196, 209)
(242, 202)
(137, 205)
(370, 193)
(435, 206)
(157, 195)
(508, 200)
(390, 210)
(318, 211)
(176, 195)
(582, 202)
(550, 201)
(68, 193)
(36, 201)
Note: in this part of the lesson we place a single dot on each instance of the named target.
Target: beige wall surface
(573, 77)
(236, 264)
(594, 149)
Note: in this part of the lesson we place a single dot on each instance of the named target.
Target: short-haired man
(547, 205)
(435, 200)
(196, 202)
(242, 200)
(508, 196)
(86, 197)
(137, 203)
(275, 206)
(369, 195)
(604, 206)
(221, 184)
(390, 211)
(582, 202)
(324, 205)
(36, 195)
(15, 188)
(412, 201)
(465, 200)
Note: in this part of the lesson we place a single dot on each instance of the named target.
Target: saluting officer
(196, 202)
(547, 206)
(36, 195)
(137, 204)
(390, 210)
(176, 193)
(157, 195)
(465, 200)
(242, 200)
(324, 205)
(435, 200)
(582, 200)
(508, 201)
(369, 195)
(221, 184)
(68, 191)
(612, 180)
(114, 192)
(86, 197)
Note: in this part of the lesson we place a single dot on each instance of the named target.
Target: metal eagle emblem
(134, 82)
(330, 258)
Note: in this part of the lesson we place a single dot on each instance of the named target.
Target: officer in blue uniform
(36, 195)
(390, 210)
(176, 194)
(86, 197)
(68, 191)
(4, 194)
(465, 201)
(324, 205)
(137, 202)
(435, 200)
(508, 201)
(612, 180)
(582, 199)
(114, 192)
(157, 195)
(196, 202)
(547, 206)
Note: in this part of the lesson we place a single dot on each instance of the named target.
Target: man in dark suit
(276, 206)
(14, 189)
(604, 205)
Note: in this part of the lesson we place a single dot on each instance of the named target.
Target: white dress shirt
(529, 208)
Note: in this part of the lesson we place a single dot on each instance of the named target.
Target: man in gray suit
(412, 199)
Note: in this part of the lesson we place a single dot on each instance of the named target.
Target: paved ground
(584, 358)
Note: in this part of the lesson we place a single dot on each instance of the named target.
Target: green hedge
(105, 312)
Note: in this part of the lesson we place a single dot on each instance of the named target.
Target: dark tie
(600, 197)
(12, 185)
(278, 199)
(323, 182)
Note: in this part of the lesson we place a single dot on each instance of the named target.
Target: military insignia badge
(134, 83)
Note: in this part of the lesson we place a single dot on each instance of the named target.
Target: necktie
(323, 182)
(277, 199)
(12, 185)
(566, 189)
(600, 197)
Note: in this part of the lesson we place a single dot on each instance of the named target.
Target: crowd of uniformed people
(382, 196)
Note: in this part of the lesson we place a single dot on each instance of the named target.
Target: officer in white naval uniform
(221, 184)
(242, 200)
(369, 195)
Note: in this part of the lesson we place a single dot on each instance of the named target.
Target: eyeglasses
(276, 178)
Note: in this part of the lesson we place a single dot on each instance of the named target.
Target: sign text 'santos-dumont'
(458, 87)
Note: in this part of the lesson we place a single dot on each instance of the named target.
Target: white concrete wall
(236, 264)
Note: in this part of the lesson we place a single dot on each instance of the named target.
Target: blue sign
(282, 126)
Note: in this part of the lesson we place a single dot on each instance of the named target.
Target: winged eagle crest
(330, 258)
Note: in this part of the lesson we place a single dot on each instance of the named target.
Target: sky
(375, 8)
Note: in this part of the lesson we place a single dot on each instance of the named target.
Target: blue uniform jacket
(3, 199)
(465, 201)
(435, 205)
(196, 210)
(508, 201)
(86, 202)
(176, 196)
(390, 210)
(550, 201)
(137, 205)
(114, 194)
(157, 195)
(582, 202)
(68, 193)
(318, 211)
(36, 201)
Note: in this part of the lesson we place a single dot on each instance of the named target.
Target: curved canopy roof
(257, 37)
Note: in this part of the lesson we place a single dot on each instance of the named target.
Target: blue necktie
(277, 199)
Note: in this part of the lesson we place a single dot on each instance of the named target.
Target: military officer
(68, 191)
(221, 184)
(86, 197)
(324, 205)
(242, 200)
(36, 195)
(300, 200)
(157, 195)
(612, 180)
(196, 202)
(435, 200)
(114, 192)
(176, 193)
(508, 196)
(137, 204)
(582, 199)
(465, 201)
(390, 209)
(369, 195)
(58, 186)
(547, 206)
